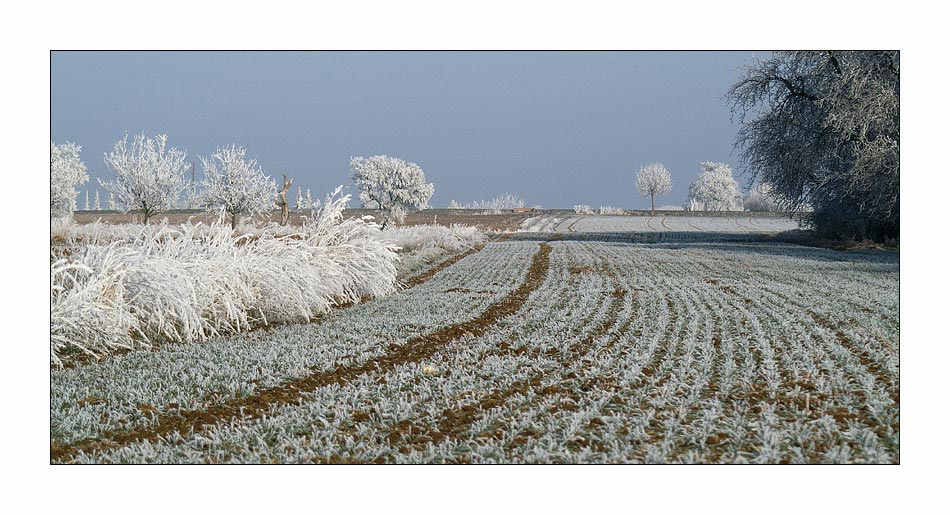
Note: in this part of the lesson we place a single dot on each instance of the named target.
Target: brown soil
(257, 405)
(456, 423)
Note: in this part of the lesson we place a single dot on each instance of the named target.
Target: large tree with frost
(653, 179)
(823, 130)
(235, 185)
(715, 189)
(66, 171)
(391, 185)
(149, 177)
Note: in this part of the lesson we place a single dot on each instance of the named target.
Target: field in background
(565, 219)
(445, 217)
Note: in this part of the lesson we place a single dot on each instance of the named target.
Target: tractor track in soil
(256, 406)
(454, 423)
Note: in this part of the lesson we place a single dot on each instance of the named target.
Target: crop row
(125, 391)
(626, 353)
(739, 223)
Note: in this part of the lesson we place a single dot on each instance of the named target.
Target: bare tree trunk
(652, 209)
(234, 220)
(282, 201)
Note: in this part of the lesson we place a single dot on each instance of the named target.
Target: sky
(556, 128)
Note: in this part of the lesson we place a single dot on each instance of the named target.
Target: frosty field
(577, 339)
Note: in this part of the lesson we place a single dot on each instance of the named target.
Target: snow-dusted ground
(706, 351)
(92, 398)
(741, 223)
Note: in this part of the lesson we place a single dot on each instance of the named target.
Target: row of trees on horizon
(150, 178)
(820, 134)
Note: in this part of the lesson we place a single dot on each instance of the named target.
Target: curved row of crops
(739, 223)
(120, 392)
(695, 352)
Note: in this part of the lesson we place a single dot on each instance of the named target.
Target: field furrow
(619, 352)
(126, 393)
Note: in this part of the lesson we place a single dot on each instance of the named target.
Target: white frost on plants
(66, 171)
(148, 177)
(192, 282)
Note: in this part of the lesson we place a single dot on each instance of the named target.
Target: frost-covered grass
(456, 238)
(689, 352)
(541, 223)
(90, 399)
(716, 225)
(193, 282)
(424, 246)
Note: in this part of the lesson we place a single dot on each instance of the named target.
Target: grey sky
(558, 128)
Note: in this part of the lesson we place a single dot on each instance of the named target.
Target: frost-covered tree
(454, 205)
(823, 130)
(96, 205)
(653, 179)
(66, 171)
(391, 185)
(299, 203)
(760, 198)
(235, 185)
(715, 189)
(149, 178)
(86, 204)
(112, 206)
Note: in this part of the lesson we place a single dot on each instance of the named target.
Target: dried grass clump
(192, 282)
(417, 237)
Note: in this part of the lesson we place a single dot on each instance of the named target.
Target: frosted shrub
(66, 171)
(495, 206)
(610, 210)
(191, 282)
(583, 209)
(454, 239)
